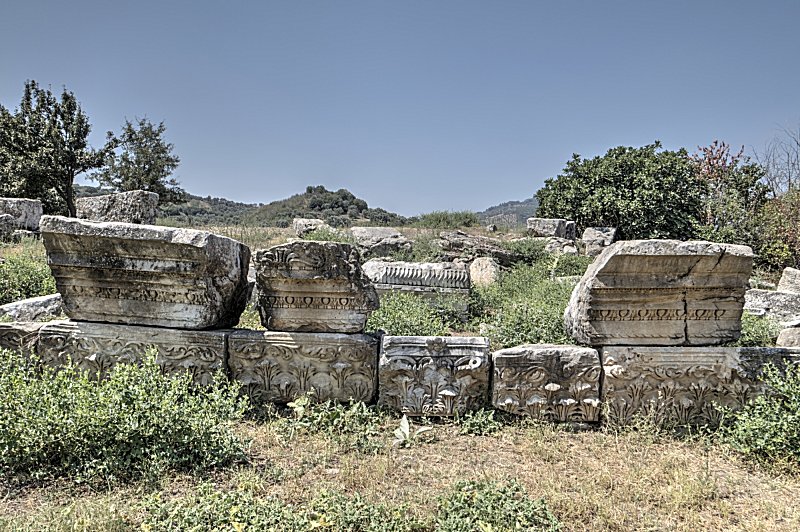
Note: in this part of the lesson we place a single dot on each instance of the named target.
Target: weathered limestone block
(380, 241)
(133, 207)
(303, 226)
(21, 337)
(98, 347)
(433, 375)
(281, 366)
(309, 286)
(34, 309)
(596, 239)
(459, 246)
(570, 230)
(26, 212)
(146, 275)
(661, 292)
(484, 271)
(790, 281)
(435, 282)
(556, 227)
(783, 307)
(789, 338)
(682, 385)
(550, 382)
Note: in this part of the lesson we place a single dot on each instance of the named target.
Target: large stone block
(790, 281)
(133, 207)
(146, 275)
(684, 385)
(21, 337)
(303, 226)
(380, 241)
(98, 347)
(308, 286)
(783, 307)
(556, 227)
(458, 246)
(433, 375)
(661, 292)
(484, 271)
(596, 239)
(551, 382)
(40, 308)
(26, 212)
(789, 338)
(281, 366)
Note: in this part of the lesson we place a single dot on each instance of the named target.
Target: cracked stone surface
(26, 213)
(133, 207)
(661, 292)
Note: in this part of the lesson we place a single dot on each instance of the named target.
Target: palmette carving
(96, 348)
(20, 336)
(684, 386)
(550, 382)
(279, 366)
(433, 376)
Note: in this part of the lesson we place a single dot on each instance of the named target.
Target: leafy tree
(145, 162)
(644, 192)
(44, 146)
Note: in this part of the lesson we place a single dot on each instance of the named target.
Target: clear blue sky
(411, 105)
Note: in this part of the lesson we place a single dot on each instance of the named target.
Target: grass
(24, 272)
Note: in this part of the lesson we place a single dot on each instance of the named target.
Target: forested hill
(519, 211)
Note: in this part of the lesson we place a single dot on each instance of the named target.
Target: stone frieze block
(433, 375)
(550, 382)
(428, 274)
(146, 275)
(309, 286)
(281, 366)
(661, 292)
(20, 336)
(97, 347)
(682, 385)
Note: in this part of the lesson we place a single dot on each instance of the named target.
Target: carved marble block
(281, 366)
(309, 286)
(682, 385)
(661, 292)
(146, 275)
(20, 336)
(433, 375)
(552, 382)
(97, 347)
(432, 281)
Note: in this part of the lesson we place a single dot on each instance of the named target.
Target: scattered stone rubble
(651, 311)
(380, 241)
(303, 226)
(134, 207)
(596, 239)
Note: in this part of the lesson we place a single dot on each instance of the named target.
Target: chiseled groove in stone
(427, 274)
(281, 366)
(559, 383)
(96, 348)
(433, 375)
(681, 385)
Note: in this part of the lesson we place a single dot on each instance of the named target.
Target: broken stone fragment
(310, 286)
(146, 275)
(661, 292)
(40, 308)
(790, 281)
(783, 307)
(551, 227)
(24, 212)
(134, 207)
(303, 226)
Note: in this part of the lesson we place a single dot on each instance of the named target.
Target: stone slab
(789, 338)
(281, 366)
(433, 375)
(596, 239)
(556, 227)
(134, 207)
(661, 292)
(783, 307)
(98, 347)
(25, 212)
(682, 385)
(21, 337)
(146, 275)
(790, 281)
(309, 286)
(558, 383)
(40, 308)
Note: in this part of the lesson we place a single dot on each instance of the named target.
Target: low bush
(488, 505)
(768, 428)
(447, 220)
(137, 423)
(757, 331)
(325, 234)
(571, 265)
(24, 273)
(403, 314)
(530, 250)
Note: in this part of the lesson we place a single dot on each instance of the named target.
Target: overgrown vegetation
(403, 314)
(24, 272)
(447, 220)
(757, 331)
(136, 424)
(325, 234)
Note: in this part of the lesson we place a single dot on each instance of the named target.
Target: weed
(447, 220)
(326, 234)
(405, 437)
(480, 422)
(403, 314)
(24, 272)
(757, 331)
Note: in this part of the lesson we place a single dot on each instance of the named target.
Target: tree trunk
(69, 196)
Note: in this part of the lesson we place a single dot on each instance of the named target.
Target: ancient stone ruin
(135, 207)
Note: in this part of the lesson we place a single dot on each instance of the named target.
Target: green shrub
(478, 422)
(447, 220)
(136, 423)
(211, 509)
(757, 331)
(570, 265)
(325, 234)
(403, 314)
(24, 273)
(768, 428)
(487, 505)
(530, 251)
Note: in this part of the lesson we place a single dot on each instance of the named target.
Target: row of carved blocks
(427, 376)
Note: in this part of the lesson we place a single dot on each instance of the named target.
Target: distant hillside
(206, 211)
(510, 213)
(340, 208)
